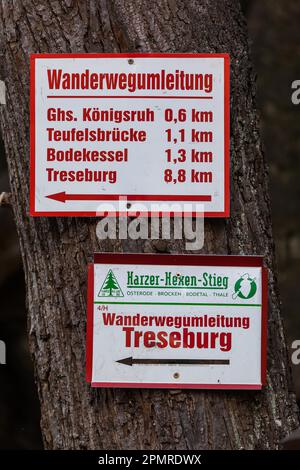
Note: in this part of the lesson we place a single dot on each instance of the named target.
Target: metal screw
(176, 375)
(130, 61)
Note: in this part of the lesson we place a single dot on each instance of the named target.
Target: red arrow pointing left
(63, 197)
(58, 197)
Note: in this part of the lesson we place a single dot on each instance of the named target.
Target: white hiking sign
(129, 133)
(177, 321)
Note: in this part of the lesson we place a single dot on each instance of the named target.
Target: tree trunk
(56, 251)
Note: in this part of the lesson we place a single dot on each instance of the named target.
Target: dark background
(275, 42)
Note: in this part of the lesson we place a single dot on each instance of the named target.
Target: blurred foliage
(274, 33)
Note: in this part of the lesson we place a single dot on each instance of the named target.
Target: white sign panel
(129, 133)
(176, 321)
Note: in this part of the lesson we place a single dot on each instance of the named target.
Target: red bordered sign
(177, 321)
(126, 134)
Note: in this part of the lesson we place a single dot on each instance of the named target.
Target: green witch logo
(245, 287)
(110, 286)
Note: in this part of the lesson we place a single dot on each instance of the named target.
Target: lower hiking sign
(176, 321)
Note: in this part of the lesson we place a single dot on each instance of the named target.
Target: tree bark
(56, 251)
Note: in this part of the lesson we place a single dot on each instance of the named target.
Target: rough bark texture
(56, 251)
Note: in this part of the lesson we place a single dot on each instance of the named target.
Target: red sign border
(221, 214)
(178, 260)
